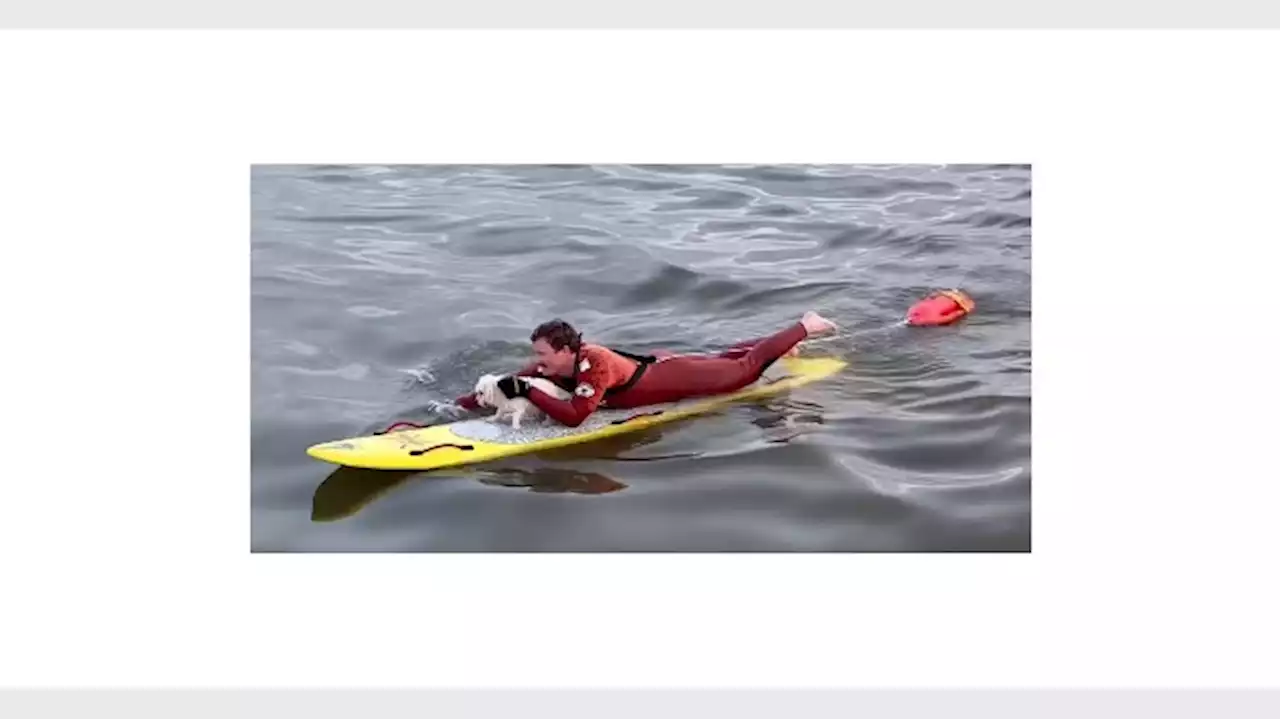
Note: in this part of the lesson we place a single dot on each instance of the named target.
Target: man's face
(557, 362)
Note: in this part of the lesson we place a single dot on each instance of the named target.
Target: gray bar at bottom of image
(645, 704)
(763, 14)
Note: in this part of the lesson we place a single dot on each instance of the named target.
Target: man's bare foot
(816, 324)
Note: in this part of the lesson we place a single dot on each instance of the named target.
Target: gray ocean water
(380, 293)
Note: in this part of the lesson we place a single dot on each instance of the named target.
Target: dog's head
(487, 393)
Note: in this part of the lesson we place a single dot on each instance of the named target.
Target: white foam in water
(422, 375)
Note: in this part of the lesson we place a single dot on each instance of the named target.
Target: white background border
(126, 384)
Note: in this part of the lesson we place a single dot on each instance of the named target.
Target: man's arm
(586, 397)
(571, 412)
(468, 401)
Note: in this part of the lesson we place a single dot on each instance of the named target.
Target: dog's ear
(484, 390)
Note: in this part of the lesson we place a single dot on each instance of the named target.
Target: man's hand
(512, 387)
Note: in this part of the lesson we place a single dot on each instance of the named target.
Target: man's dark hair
(559, 334)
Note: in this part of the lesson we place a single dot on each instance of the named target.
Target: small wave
(714, 292)
(931, 244)
(959, 400)
(335, 177)
(861, 236)
(371, 312)
(669, 280)
(351, 219)
(1002, 353)
(706, 199)
(1002, 220)
(640, 185)
(354, 372)
(305, 274)
(802, 294)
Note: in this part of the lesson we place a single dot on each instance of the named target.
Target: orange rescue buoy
(940, 308)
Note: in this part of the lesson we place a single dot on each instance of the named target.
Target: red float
(940, 308)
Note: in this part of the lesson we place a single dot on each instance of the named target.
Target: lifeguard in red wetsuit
(602, 377)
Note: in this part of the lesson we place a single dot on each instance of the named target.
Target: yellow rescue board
(483, 440)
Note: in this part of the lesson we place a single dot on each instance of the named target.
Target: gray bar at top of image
(764, 14)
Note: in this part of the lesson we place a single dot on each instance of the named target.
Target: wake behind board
(482, 440)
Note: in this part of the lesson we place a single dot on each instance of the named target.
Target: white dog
(488, 395)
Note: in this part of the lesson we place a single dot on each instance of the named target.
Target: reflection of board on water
(478, 440)
(553, 480)
(348, 489)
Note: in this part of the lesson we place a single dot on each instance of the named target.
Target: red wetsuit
(616, 380)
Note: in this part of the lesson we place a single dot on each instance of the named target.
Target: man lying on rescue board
(601, 377)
